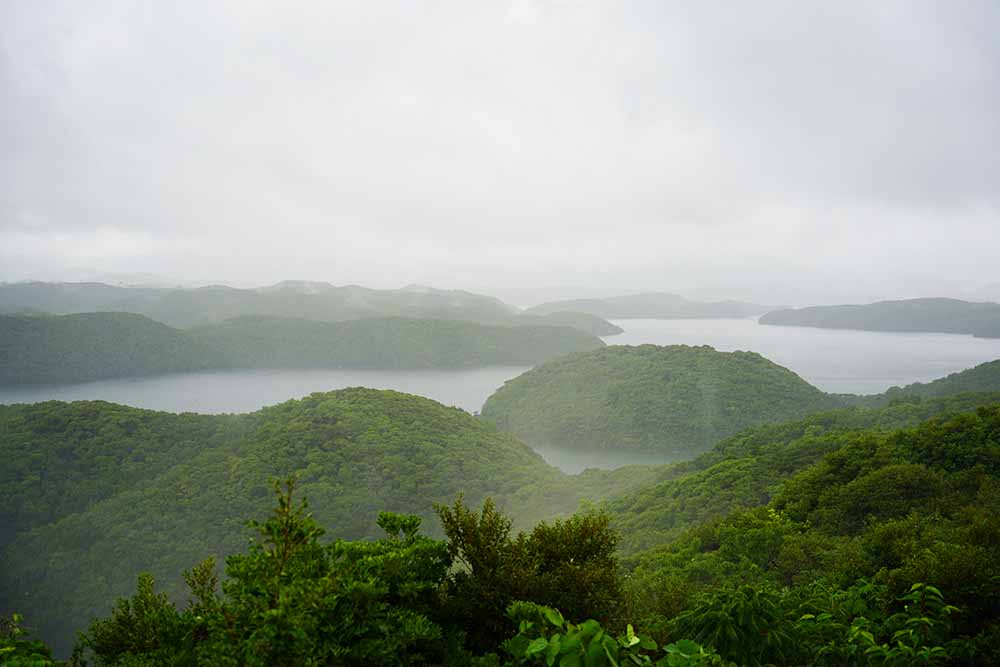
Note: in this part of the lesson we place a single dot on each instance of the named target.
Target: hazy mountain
(184, 308)
(655, 305)
(926, 315)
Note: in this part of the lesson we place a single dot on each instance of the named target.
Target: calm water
(835, 360)
(246, 391)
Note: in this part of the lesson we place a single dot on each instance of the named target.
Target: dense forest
(859, 536)
(656, 305)
(186, 308)
(111, 490)
(91, 346)
(930, 315)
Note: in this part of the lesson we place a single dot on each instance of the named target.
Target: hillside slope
(162, 503)
(749, 468)
(96, 492)
(675, 401)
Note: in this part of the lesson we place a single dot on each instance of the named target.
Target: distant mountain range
(653, 305)
(936, 315)
(185, 308)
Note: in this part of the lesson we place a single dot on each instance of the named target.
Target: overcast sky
(786, 152)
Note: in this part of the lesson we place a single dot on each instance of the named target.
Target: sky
(781, 152)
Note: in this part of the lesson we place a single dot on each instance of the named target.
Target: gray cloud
(813, 151)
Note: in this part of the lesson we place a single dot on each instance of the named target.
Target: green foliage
(544, 637)
(569, 564)
(747, 470)
(17, 650)
(94, 493)
(777, 584)
(291, 600)
(674, 401)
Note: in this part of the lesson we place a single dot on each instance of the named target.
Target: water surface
(245, 391)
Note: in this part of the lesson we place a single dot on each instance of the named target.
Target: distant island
(652, 305)
(937, 315)
(93, 346)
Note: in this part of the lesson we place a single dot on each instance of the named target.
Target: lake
(834, 360)
(245, 391)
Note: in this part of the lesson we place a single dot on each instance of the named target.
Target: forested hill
(91, 346)
(184, 308)
(92, 493)
(654, 305)
(675, 401)
(755, 548)
(929, 315)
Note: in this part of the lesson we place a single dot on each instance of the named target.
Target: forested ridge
(789, 520)
(92, 346)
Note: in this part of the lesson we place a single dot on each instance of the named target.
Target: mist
(785, 153)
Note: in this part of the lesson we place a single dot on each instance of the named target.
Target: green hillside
(92, 346)
(94, 493)
(855, 559)
(747, 469)
(769, 549)
(931, 315)
(675, 401)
